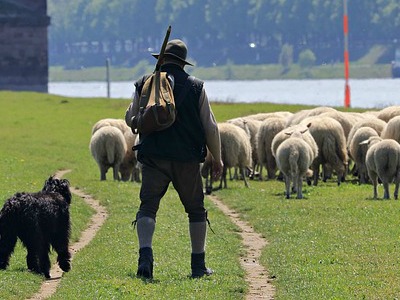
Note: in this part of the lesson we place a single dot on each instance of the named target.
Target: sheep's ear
(365, 142)
(309, 125)
(289, 133)
(305, 129)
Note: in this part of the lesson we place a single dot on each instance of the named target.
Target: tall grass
(337, 243)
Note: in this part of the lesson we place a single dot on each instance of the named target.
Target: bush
(307, 59)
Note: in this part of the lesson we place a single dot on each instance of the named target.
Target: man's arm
(132, 109)
(213, 140)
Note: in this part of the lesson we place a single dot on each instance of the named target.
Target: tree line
(217, 32)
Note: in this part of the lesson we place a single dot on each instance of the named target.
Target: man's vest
(185, 139)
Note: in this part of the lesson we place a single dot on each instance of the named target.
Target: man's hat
(177, 49)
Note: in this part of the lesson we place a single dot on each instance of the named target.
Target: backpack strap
(185, 90)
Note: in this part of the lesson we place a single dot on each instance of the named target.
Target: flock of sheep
(309, 144)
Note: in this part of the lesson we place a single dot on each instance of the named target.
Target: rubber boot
(145, 263)
(199, 266)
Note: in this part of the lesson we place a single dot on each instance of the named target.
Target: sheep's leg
(260, 175)
(386, 190)
(116, 172)
(316, 174)
(103, 171)
(223, 178)
(299, 187)
(287, 186)
(243, 171)
(209, 182)
(396, 189)
(374, 180)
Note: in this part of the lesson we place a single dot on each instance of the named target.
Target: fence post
(108, 76)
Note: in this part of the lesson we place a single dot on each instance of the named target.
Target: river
(365, 93)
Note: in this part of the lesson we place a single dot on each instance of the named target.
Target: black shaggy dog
(38, 220)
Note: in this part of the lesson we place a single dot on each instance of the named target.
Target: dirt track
(260, 286)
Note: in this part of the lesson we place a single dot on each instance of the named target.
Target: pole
(108, 76)
(346, 55)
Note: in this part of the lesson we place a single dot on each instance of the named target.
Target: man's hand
(217, 169)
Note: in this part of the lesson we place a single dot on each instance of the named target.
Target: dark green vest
(185, 139)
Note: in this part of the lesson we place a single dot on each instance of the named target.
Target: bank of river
(365, 93)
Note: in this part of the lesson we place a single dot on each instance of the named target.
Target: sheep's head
(298, 132)
(371, 141)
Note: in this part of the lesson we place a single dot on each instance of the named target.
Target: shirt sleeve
(210, 126)
(132, 109)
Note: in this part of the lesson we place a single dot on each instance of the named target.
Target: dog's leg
(44, 259)
(60, 245)
(32, 244)
(8, 240)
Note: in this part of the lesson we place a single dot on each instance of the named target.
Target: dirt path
(49, 287)
(260, 286)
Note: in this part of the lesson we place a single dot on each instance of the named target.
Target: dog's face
(60, 186)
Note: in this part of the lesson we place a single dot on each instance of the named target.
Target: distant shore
(227, 72)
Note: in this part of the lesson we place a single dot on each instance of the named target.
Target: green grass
(335, 244)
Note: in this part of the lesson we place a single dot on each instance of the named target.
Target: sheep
(358, 151)
(268, 129)
(119, 123)
(389, 112)
(235, 152)
(128, 168)
(267, 115)
(383, 161)
(285, 134)
(294, 157)
(305, 113)
(332, 152)
(108, 148)
(377, 124)
(251, 126)
(346, 120)
(391, 130)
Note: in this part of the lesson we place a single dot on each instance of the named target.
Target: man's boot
(199, 266)
(145, 263)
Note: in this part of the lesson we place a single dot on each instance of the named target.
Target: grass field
(337, 243)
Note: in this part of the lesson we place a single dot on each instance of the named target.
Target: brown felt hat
(177, 49)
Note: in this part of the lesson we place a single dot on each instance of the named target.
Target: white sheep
(251, 127)
(383, 161)
(267, 115)
(285, 134)
(294, 157)
(346, 120)
(389, 112)
(299, 116)
(392, 129)
(235, 152)
(119, 123)
(332, 151)
(129, 167)
(108, 148)
(269, 128)
(377, 124)
(358, 151)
